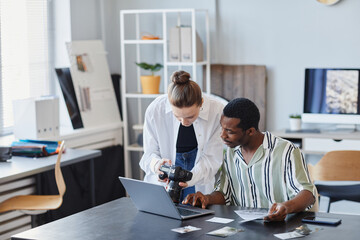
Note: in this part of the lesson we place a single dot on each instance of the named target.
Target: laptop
(153, 198)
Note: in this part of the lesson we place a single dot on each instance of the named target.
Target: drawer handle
(337, 140)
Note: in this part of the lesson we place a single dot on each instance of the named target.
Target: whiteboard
(92, 82)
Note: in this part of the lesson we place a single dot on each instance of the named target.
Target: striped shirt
(276, 173)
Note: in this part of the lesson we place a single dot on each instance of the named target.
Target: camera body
(176, 175)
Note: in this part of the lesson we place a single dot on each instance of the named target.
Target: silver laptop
(152, 198)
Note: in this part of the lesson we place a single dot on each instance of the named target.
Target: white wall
(60, 31)
(286, 36)
(85, 19)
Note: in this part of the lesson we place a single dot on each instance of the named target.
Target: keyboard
(186, 212)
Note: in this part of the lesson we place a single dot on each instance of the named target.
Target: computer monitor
(67, 88)
(332, 96)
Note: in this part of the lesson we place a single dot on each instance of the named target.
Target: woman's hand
(183, 184)
(158, 165)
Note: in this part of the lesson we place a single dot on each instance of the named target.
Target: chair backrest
(58, 175)
(337, 166)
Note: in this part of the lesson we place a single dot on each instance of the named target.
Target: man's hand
(302, 200)
(197, 199)
(277, 212)
(158, 165)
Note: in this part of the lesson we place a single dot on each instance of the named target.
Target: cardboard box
(36, 118)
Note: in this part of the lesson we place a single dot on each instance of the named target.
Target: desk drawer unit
(326, 145)
(15, 221)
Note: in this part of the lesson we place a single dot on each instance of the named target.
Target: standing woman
(183, 128)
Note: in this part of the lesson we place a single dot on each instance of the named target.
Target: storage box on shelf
(134, 103)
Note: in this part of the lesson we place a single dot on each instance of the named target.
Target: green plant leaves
(152, 67)
(295, 116)
(156, 67)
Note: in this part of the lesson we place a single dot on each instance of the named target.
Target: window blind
(24, 54)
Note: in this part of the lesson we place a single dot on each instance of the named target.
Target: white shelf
(136, 11)
(141, 95)
(186, 63)
(135, 147)
(138, 127)
(131, 36)
(160, 41)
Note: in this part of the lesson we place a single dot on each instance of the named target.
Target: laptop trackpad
(187, 210)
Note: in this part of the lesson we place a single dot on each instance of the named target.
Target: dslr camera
(175, 174)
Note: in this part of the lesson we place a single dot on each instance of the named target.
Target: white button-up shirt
(160, 136)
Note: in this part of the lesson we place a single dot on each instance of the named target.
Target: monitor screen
(332, 93)
(67, 87)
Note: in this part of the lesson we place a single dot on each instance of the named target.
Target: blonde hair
(182, 91)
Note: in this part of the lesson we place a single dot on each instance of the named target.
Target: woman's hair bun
(180, 77)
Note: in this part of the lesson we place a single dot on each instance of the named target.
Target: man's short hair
(245, 110)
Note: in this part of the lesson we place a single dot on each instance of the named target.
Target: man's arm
(199, 199)
(278, 211)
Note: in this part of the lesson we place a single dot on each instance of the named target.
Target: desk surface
(19, 167)
(120, 219)
(325, 134)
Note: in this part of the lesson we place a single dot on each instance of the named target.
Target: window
(24, 54)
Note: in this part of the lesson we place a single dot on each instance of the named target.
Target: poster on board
(92, 83)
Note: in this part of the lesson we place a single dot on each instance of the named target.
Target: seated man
(259, 170)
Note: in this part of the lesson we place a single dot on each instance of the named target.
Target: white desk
(20, 167)
(320, 143)
(16, 175)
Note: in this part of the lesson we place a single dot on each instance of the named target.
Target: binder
(174, 44)
(36, 118)
(186, 47)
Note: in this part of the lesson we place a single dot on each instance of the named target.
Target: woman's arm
(210, 158)
(151, 156)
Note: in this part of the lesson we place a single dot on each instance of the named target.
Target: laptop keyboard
(186, 212)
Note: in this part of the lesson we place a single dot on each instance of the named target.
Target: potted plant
(150, 83)
(295, 122)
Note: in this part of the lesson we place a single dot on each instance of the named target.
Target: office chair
(35, 204)
(337, 166)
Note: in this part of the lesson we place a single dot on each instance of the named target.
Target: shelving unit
(133, 77)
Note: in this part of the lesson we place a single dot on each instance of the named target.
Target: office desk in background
(120, 219)
(17, 177)
(20, 167)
